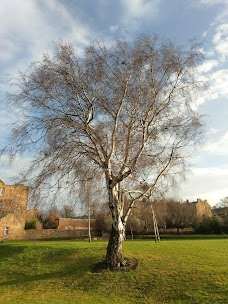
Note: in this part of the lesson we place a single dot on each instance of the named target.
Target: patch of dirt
(126, 265)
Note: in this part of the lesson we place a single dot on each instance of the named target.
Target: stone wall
(13, 206)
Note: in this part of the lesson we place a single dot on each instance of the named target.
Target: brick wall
(75, 224)
(67, 227)
(53, 233)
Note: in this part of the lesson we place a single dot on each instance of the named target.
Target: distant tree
(180, 215)
(67, 211)
(138, 222)
(225, 224)
(102, 214)
(161, 212)
(223, 203)
(123, 111)
(208, 225)
(46, 211)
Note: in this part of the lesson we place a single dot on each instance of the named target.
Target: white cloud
(214, 71)
(206, 183)
(217, 87)
(139, 8)
(20, 23)
(218, 84)
(135, 10)
(220, 147)
(28, 27)
(207, 66)
(77, 31)
(220, 40)
(9, 171)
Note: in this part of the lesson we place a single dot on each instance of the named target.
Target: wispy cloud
(140, 8)
(217, 83)
(136, 11)
(207, 66)
(28, 27)
(214, 70)
(220, 40)
(220, 147)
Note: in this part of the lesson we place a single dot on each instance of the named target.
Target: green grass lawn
(60, 272)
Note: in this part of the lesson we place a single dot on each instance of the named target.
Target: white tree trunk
(114, 250)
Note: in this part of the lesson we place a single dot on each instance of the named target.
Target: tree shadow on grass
(72, 271)
(10, 251)
(50, 263)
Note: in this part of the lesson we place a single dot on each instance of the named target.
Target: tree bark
(114, 256)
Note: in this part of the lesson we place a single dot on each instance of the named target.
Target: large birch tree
(123, 113)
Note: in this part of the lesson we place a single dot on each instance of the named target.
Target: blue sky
(27, 28)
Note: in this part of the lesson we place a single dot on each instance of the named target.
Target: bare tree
(67, 211)
(124, 111)
(223, 203)
(101, 212)
(180, 215)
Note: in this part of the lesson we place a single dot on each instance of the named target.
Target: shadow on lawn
(10, 251)
(42, 267)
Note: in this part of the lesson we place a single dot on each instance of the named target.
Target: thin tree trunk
(178, 230)
(132, 235)
(89, 223)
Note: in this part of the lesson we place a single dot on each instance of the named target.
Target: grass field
(60, 272)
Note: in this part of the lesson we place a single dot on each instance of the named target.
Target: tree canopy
(122, 113)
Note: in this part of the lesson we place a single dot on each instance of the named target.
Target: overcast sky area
(28, 27)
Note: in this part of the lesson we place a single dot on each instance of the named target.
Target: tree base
(126, 265)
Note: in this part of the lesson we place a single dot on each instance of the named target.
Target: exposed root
(126, 265)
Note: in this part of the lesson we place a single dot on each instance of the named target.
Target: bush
(30, 225)
(209, 226)
(51, 222)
